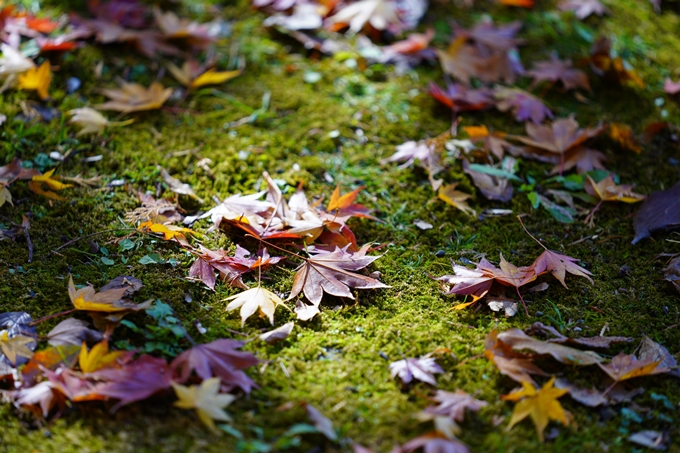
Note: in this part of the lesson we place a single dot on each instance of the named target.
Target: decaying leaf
(168, 231)
(541, 405)
(516, 366)
(607, 190)
(132, 97)
(178, 186)
(623, 134)
(493, 187)
(518, 340)
(379, 14)
(559, 265)
(206, 399)
(253, 300)
(422, 369)
(435, 442)
(589, 342)
(628, 366)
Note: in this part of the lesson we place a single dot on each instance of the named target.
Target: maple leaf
(623, 135)
(41, 394)
(99, 357)
(379, 14)
(334, 273)
(562, 143)
(591, 342)
(168, 231)
(38, 180)
(178, 186)
(174, 27)
(603, 63)
(73, 332)
(516, 366)
(192, 75)
(37, 79)
(206, 399)
(219, 358)
(16, 349)
(541, 405)
(93, 122)
(556, 70)
(584, 8)
(231, 268)
(5, 195)
(13, 62)
(518, 340)
(453, 405)
(659, 212)
(278, 334)
(343, 206)
(628, 366)
(49, 359)
(461, 98)
(426, 152)
(456, 198)
(524, 105)
(156, 210)
(422, 369)
(136, 381)
(493, 187)
(607, 190)
(106, 301)
(253, 299)
(133, 97)
(559, 265)
(435, 442)
(492, 141)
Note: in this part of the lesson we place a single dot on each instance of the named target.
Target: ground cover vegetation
(292, 225)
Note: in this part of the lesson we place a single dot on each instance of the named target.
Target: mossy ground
(336, 362)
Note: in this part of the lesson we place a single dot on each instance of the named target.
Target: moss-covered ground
(339, 361)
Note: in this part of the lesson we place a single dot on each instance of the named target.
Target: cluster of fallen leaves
(508, 352)
(320, 236)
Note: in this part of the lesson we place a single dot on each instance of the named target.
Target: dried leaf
(278, 334)
(99, 357)
(16, 349)
(178, 186)
(589, 342)
(435, 442)
(660, 212)
(627, 366)
(321, 422)
(73, 332)
(559, 265)
(555, 70)
(524, 105)
(518, 340)
(516, 366)
(93, 122)
(106, 301)
(453, 405)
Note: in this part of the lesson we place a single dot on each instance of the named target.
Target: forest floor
(337, 130)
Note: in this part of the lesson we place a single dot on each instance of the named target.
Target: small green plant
(164, 337)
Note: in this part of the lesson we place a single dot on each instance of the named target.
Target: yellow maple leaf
(109, 301)
(193, 75)
(455, 198)
(98, 357)
(206, 399)
(133, 97)
(253, 299)
(476, 131)
(37, 79)
(607, 190)
(36, 182)
(168, 231)
(541, 405)
(13, 347)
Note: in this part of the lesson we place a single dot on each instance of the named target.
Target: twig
(53, 315)
(73, 241)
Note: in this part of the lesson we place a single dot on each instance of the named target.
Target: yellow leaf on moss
(5, 195)
(206, 399)
(36, 185)
(541, 405)
(16, 346)
(168, 231)
(455, 198)
(98, 357)
(37, 79)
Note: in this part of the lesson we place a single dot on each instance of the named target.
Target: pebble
(440, 253)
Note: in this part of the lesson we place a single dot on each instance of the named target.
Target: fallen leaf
(132, 97)
(206, 399)
(219, 358)
(321, 422)
(460, 98)
(72, 332)
(587, 397)
(99, 357)
(422, 369)
(589, 342)
(16, 349)
(660, 212)
(525, 106)
(556, 70)
(559, 265)
(93, 122)
(455, 198)
(41, 394)
(193, 75)
(453, 405)
(106, 301)
(627, 366)
(333, 273)
(492, 187)
(49, 359)
(13, 62)
(278, 334)
(178, 186)
(46, 178)
(379, 14)
(253, 299)
(518, 340)
(435, 442)
(168, 231)
(37, 79)
(604, 63)
(516, 366)
(671, 272)
(541, 405)
(655, 440)
(623, 135)
(607, 190)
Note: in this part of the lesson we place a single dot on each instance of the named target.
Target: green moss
(335, 362)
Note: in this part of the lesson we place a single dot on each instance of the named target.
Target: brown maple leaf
(453, 405)
(628, 366)
(333, 273)
(516, 366)
(460, 98)
(556, 70)
(562, 143)
(518, 340)
(133, 97)
(603, 63)
(524, 105)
